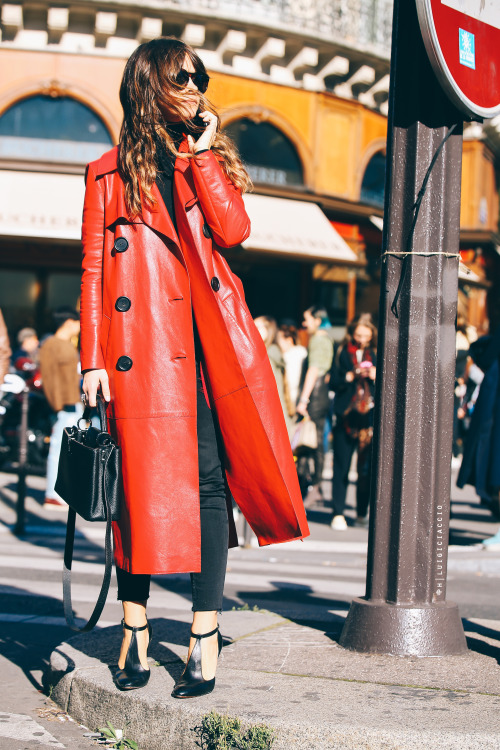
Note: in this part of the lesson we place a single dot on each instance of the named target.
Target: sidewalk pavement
(292, 675)
(295, 678)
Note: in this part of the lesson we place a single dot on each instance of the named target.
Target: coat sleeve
(91, 293)
(220, 201)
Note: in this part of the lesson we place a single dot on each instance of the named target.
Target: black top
(165, 162)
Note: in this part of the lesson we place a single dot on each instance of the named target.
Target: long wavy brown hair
(147, 86)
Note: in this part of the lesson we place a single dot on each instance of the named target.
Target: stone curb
(293, 678)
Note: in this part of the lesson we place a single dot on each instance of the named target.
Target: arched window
(373, 185)
(57, 129)
(267, 153)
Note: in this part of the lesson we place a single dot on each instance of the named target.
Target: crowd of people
(327, 385)
(329, 388)
(50, 370)
(330, 384)
(327, 393)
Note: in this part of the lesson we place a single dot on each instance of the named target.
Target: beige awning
(292, 227)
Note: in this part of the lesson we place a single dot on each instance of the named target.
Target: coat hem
(265, 543)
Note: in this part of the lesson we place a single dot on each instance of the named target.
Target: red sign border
(441, 69)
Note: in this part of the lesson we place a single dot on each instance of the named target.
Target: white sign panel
(36, 204)
(487, 11)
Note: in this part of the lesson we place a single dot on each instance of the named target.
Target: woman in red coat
(167, 336)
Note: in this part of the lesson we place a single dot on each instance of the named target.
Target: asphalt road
(312, 581)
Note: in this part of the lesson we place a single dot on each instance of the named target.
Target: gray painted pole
(405, 610)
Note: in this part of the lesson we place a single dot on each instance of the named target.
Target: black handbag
(89, 479)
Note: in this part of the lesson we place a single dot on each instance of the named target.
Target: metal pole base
(384, 628)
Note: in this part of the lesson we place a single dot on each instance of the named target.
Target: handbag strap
(68, 560)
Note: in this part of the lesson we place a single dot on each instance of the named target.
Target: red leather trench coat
(141, 280)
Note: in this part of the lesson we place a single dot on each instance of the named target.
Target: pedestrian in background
(465, 335)
(313, 400)
(353, 381)
(167, 336)
(59, 367)
(25, 358)
(5, 350)
(481, 458)
(294, 355)
(268, 329)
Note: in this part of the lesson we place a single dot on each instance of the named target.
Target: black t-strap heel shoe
(133, 675)
(191, 683)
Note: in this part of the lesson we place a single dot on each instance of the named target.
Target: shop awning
(297, 228)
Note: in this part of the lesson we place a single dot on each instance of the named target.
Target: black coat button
(215, 284)
(121, 244)
(124, 363)
(122, 304)
(206, 231)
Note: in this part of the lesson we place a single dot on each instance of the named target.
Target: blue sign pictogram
(467, 49)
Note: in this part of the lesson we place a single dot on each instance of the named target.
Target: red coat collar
(107, 163)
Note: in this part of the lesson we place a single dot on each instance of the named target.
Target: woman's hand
(206, 139)
(302, 408)
(349, 376)
(372, 372)
(91, 382)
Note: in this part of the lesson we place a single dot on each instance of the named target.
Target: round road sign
(462, 38)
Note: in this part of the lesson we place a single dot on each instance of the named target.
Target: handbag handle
(68, 560)
(101, 409)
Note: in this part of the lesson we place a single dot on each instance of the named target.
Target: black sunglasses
(200, 80)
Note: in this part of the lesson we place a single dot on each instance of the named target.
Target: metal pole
(405, 610)
(22, 464)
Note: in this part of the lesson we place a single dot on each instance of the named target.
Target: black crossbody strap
(68, 560)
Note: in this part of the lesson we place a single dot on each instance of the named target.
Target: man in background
(59, 365)
(314, 400)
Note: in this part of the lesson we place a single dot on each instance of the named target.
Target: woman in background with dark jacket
(353, 380)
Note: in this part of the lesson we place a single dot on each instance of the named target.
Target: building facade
(302, 87)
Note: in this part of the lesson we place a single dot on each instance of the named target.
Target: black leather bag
(89, 479)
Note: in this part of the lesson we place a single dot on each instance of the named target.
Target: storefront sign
(37, 204)
(462, 38)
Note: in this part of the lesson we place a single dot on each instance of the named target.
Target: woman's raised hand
(206, 139)
(91, 382)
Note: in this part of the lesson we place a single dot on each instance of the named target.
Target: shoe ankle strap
(135, 630)
(205, 635)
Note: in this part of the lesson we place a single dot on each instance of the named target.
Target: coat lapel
(158, 218)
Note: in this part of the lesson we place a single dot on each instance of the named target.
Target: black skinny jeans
(318, 412)
(344, 446)
(207, 587)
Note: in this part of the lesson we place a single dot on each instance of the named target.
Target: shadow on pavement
(29, 644)
(465, 538)
(480, 646)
